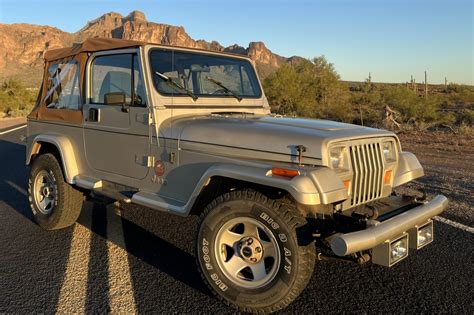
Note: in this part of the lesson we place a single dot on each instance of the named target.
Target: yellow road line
(121, 295)
(72, 297)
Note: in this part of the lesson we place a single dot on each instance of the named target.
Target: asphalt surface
(139, 260)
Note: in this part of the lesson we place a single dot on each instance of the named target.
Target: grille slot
(367, 165)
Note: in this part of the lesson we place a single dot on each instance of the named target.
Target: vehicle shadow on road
(14, 178)
(163, 256)
(24, 284)
(144, 246)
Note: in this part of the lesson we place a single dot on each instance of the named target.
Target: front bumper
(349, 243)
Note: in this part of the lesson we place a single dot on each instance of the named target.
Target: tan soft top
(91, 45)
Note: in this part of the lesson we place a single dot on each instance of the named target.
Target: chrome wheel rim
(247, 252)
(44, 189)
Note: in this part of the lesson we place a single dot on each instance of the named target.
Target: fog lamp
(421, 235)
(391, 252)
(398, 250)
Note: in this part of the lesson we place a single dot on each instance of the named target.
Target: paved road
(138, 260)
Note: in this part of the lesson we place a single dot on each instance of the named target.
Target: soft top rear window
(199, 72)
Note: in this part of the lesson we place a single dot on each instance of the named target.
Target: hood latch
(301, 149)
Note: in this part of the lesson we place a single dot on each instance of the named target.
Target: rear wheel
(255, 253)
(55, 204)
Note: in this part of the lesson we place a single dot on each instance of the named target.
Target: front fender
(312, 187)
(409, 168)
(65, 148)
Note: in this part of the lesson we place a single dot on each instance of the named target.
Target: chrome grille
(367, 165)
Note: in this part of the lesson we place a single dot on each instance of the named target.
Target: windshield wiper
(172, 83)
(224, 88)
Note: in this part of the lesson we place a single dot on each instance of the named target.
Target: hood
(262, 135)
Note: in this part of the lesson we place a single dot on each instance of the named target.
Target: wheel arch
(224, 177)
(61, 147)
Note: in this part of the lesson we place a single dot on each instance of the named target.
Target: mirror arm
(125, 108)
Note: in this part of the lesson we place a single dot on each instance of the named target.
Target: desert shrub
(367, 105)
(412, 108)
(465, 117)
(15, 98)
(310, 88)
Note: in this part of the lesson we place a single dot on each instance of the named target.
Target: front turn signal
(285, 172)
(388, 177)
(347, 184)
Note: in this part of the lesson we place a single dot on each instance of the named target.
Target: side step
(108, 189)
(113, 194)
(160, 203)
(87, 182)
(128, 194)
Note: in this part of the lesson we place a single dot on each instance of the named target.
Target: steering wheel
(219, 91)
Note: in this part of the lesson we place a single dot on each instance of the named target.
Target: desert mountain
(23, 45)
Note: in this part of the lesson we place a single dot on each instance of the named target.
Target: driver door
(116, 134)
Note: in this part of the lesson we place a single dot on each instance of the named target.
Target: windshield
(203, 75)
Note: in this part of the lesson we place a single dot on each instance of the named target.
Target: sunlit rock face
(23, 45)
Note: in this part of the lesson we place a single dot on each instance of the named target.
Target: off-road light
(398, 250)
(391, 252)
(421, 235)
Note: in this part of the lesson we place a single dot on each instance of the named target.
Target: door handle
(93, 114)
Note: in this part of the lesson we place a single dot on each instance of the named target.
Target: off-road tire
(68, 202)
(297, 250)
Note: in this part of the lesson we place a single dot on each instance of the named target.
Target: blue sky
(392, 39)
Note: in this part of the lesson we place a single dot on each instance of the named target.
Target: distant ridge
(23, 45)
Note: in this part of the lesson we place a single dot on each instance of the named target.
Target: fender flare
(409, 168)
(313, 187)
(65, 148)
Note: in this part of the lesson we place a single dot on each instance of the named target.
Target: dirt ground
(448, 161)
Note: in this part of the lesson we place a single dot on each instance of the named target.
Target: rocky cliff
(23, 45)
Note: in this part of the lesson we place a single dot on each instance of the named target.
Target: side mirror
(116, 98)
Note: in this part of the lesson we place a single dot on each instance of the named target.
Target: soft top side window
(117, 73)
(63, 91)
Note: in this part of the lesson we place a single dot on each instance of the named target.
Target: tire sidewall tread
(68, 202)
(281, 291)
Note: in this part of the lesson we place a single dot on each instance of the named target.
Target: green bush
(16, 99)
(309, 88)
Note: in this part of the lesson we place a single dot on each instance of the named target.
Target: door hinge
(147, 160)
(146, 119)
(172, 157)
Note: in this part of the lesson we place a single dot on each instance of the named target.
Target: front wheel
(255, 253)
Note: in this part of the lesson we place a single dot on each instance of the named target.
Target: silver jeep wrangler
(190, 132)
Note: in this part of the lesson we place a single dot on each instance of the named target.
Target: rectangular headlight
(421, 235)
(388, 149)
(338, 158)
(391, 252)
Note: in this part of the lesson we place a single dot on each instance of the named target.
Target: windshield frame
(258, 84)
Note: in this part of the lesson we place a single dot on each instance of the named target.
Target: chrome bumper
(345, 244)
